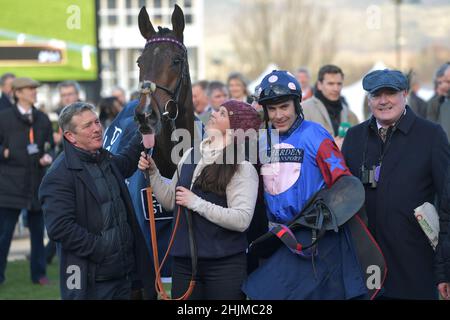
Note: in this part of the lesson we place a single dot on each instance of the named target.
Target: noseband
(149, 87)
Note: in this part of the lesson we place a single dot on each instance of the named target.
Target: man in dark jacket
(401, 159)
(89, 213)
(25, 140)
(6, 99)
(417, 104)
(441, 88)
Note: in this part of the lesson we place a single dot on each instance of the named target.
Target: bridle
(149, 87)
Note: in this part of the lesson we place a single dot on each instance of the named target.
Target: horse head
(166, 96)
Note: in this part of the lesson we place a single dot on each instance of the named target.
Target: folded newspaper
(428, 219)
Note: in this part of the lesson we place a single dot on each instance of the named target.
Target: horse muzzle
(148, 119)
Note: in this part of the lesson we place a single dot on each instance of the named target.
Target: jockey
(307, 161)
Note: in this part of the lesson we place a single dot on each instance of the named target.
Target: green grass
(18, 285)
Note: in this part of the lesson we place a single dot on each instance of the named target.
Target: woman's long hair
(215, 177)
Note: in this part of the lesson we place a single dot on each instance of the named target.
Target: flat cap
(20, 83)
(386, 78)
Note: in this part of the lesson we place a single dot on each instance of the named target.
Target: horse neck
(163, 148)
(186, 120)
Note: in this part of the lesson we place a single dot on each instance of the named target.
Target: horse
(165, 104)
(166, 93)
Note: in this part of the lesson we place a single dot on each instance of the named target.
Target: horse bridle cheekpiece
(149, 87)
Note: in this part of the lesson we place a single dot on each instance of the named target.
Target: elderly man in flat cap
(25, 143)
(402, 161)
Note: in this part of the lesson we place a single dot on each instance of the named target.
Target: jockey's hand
(146, 163)
(184, 197)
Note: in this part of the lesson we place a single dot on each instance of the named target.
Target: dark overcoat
(21, 173)
(413, 171)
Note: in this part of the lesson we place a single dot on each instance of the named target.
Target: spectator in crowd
(6, 99)
(380, 151)
(443, 110)
(304, 78)
(88, 212)
(327, 106)
(237, 87)
(200, 100)
(217, 94)
(120, 95)
(442, 88)
(417, 104)
(109, 108)
(69, 92)
(26, 142)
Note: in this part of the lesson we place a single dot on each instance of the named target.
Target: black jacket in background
(21, 173)
(5, 103)
(417, 104)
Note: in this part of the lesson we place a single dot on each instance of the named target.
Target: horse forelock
(164, 32)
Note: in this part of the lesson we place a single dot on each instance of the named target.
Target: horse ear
(178, 22)
(145, 26)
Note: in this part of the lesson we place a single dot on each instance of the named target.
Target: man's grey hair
(216, 85)
(69, 83)
(68, 112)
(6, 76)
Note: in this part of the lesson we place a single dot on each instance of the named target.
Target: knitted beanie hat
(242, 115)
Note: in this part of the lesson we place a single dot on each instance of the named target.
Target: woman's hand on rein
(184, 197)
(146, 163)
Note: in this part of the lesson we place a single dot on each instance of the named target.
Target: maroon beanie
(242, 115)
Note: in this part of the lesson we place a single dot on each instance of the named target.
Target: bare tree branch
(289, 33)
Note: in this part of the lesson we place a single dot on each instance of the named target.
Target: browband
(165, 39)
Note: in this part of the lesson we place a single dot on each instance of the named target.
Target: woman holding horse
(220, 195)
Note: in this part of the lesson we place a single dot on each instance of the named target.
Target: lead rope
(158, 267)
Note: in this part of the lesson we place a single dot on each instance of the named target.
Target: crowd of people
(68, 184)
